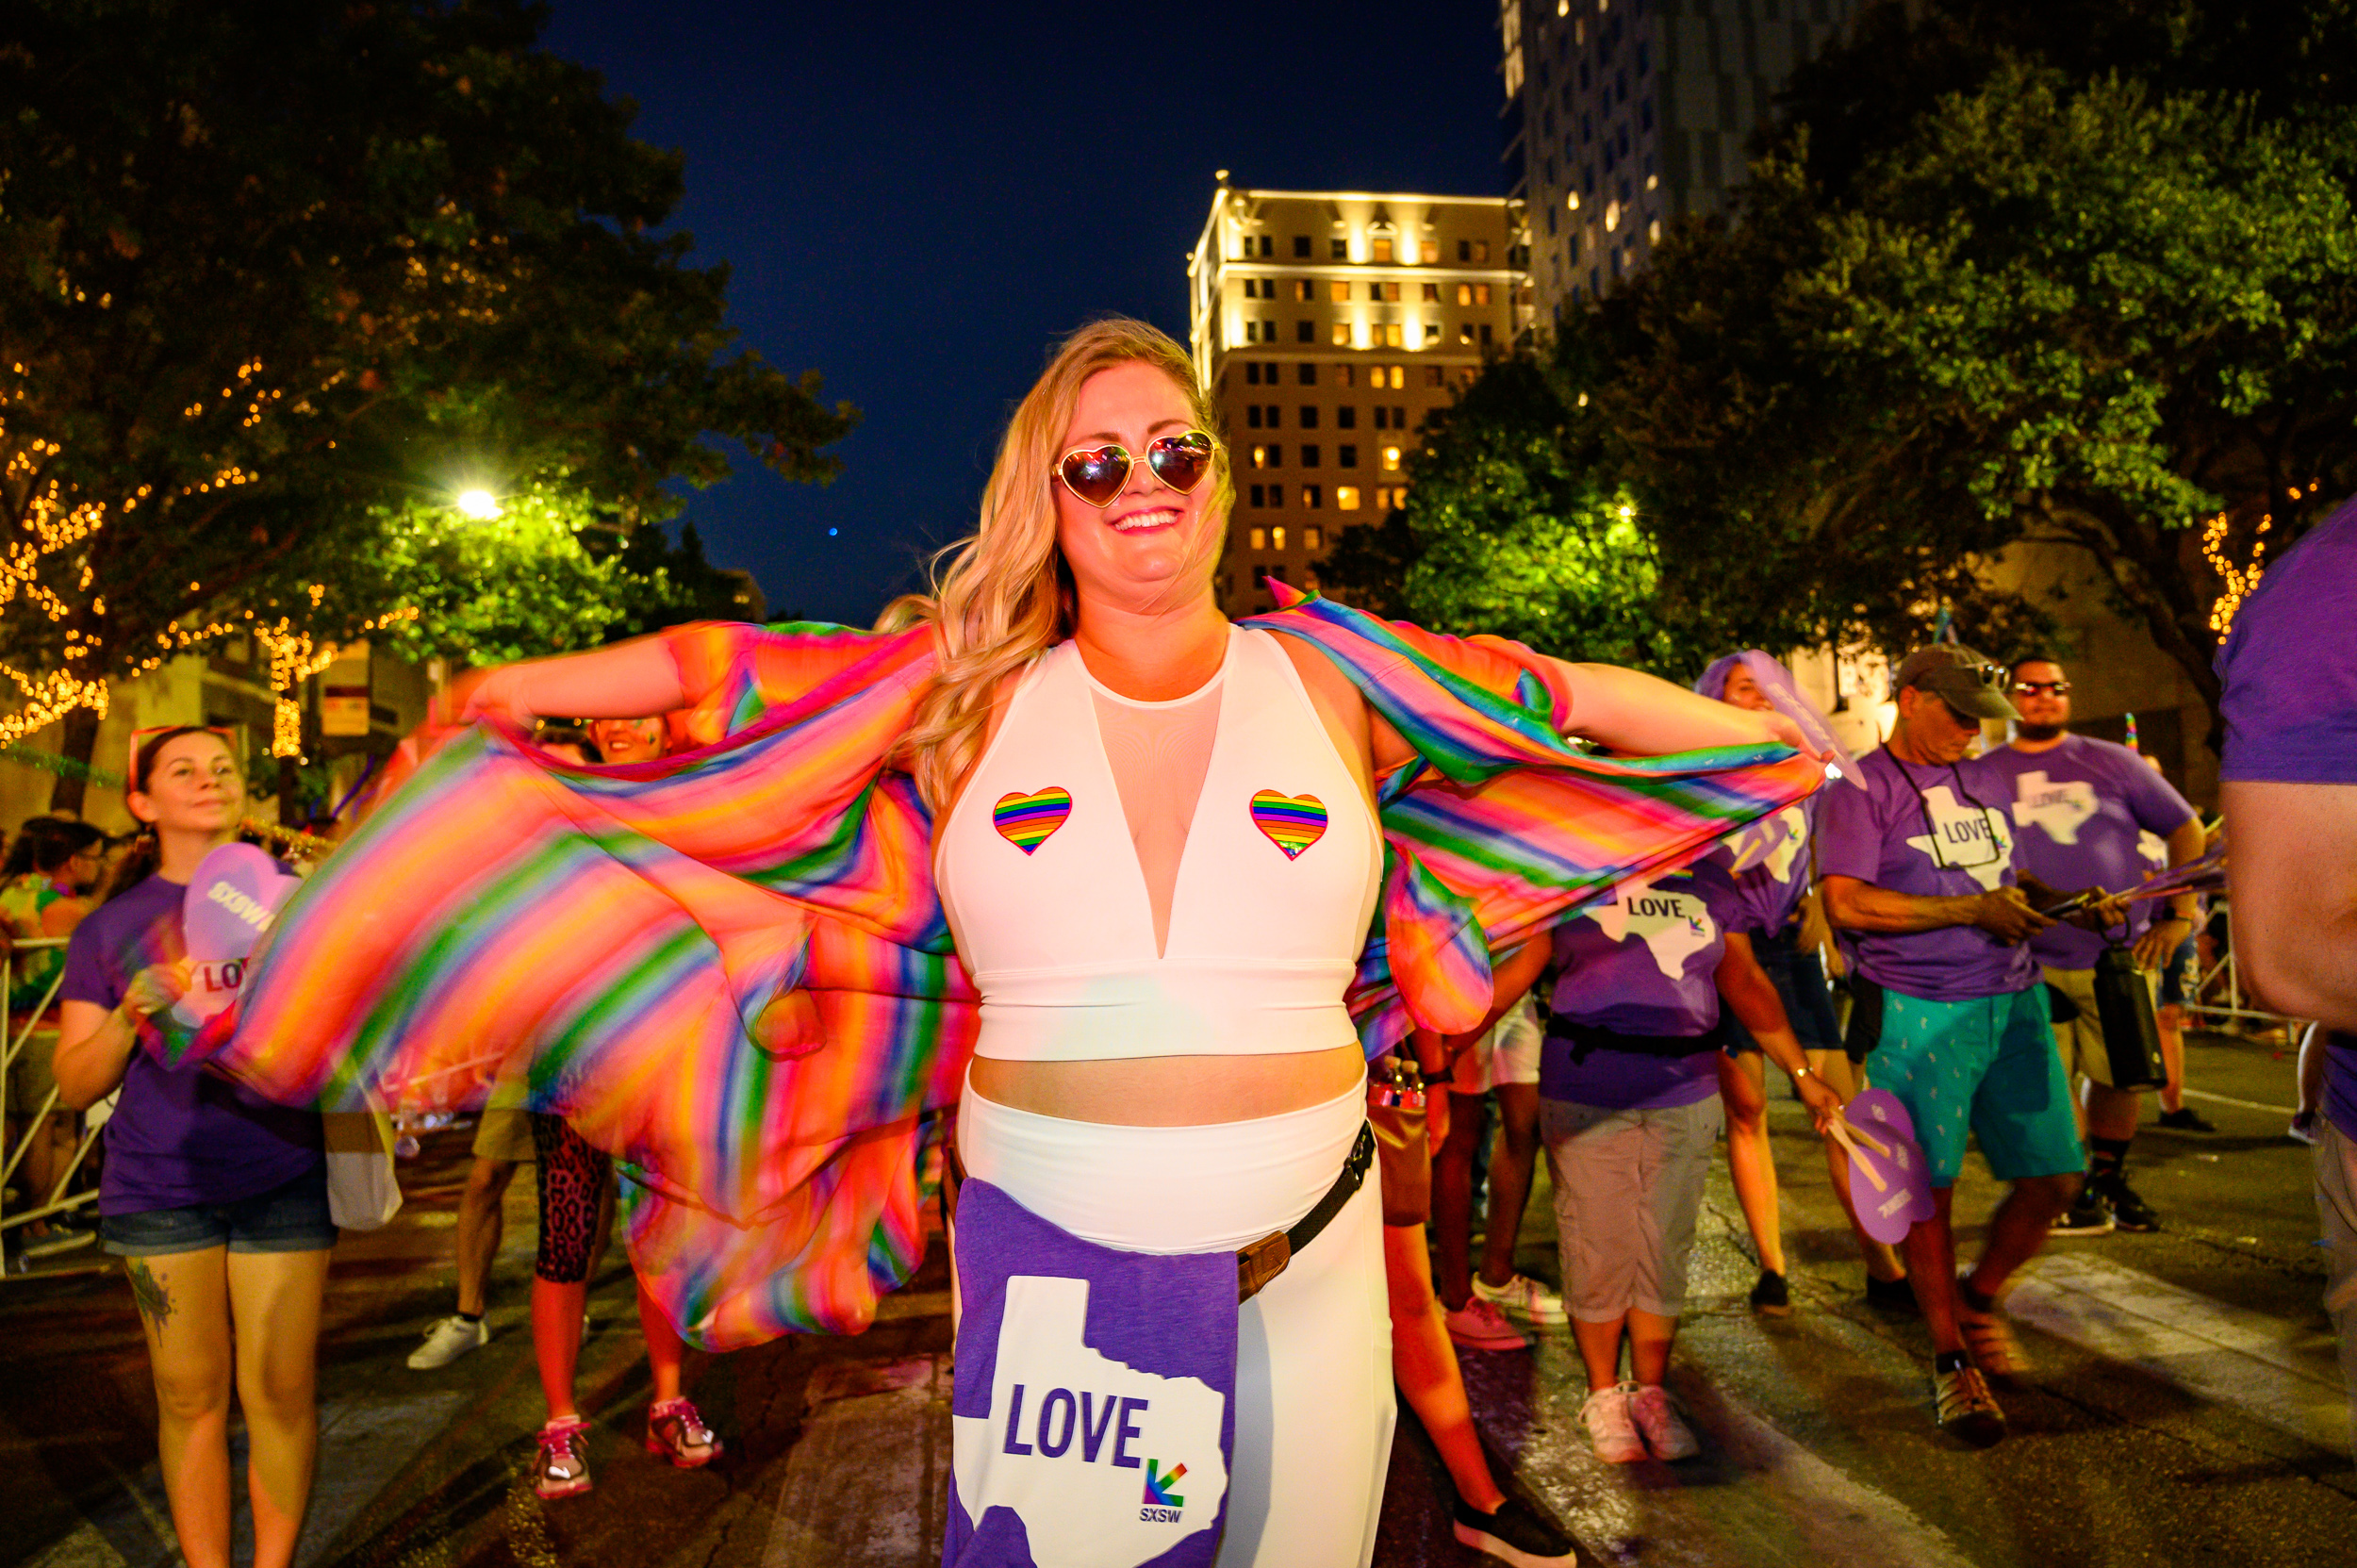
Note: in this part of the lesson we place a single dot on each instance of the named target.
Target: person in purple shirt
(2081, 807)
(1919, 881)
(1773, 858)
(216, 1199)
(2289, 674)
(1630, 1110)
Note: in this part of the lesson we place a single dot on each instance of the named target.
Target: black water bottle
(2132, 1036)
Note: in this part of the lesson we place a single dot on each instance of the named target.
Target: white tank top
(1274, 890)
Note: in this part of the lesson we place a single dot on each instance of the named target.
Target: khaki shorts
(31, 1073)
(1507, 1054)
(504, 1132)
(2081, 1040)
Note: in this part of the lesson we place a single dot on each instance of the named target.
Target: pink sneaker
(1480, 1325)
(563, 1466)
(1609, 1428)
(677, 1432)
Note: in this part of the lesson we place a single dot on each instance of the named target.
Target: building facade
(1623, 114)
(1325, 326)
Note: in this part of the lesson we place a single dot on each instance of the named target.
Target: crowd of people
(1061, 873)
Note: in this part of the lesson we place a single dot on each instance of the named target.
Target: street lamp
(481, 506)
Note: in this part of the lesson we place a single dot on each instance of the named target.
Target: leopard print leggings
(572, 1177)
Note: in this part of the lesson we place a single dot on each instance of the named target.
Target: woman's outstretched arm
(1644, 716)
(638, 679)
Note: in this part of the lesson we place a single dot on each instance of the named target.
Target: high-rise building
(1621, 115)
(1325, 324)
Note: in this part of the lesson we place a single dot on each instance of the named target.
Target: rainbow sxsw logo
(1162, 1504)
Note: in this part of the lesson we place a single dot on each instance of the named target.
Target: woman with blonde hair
(1065, 848)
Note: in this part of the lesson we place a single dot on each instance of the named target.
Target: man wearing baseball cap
(1920, 882)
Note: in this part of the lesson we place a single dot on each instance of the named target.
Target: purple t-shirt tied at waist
(2290, 670)
(1647, 963)
(1934, 831)
(2080, 808)
(178, 1136)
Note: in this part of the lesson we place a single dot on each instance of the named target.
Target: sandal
(675, 1431)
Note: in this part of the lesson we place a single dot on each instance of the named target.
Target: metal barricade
(15, 1039)
(2234, 1011)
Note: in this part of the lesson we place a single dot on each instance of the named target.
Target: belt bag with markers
(2124, 1005)
(1093, 1408)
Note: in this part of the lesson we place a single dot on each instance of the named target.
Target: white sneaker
(1609, 1428)
(1667, 1437)
(448, 1340)
(1525, 1298)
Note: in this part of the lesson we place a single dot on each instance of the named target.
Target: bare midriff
(1170, 1091)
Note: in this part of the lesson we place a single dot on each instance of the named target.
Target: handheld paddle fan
(235, 894)
(1890, 1186)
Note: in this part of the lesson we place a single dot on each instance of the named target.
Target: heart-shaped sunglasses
(1098, 475)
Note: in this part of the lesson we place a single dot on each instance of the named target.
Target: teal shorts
(1986, 1066)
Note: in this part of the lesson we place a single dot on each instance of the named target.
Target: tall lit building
(1621, 115)
(1325, 326)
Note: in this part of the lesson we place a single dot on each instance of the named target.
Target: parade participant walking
(216, 1199)
(1778, 886)
(1504, 1061)
(1158, 856)
(2080, 809)
(1629, 1110)
(2289, 672)
(1919, 881)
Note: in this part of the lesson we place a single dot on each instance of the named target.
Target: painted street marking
(2281, 1373)
(2244, 1104)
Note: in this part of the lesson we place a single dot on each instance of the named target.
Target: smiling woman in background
(216, 1199)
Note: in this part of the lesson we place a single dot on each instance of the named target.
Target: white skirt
(1314, 1407)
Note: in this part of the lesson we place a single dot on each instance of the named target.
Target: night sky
(917, 200)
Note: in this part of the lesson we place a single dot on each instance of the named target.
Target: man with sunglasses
(2080, 808)
(1920, 883)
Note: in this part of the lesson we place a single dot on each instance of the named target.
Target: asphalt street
(2186, 1408)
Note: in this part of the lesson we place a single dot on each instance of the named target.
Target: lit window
(1346, 496)
(1260, 457)
(1260, 536)
(1464, 333)
(1431, 293)
(1431, 251)
(1313, 536)
(1342, 334)
(1387, 293)
(1464, 293)
(1305, 289)
(1480, 250)
(1481, 293)
(1431, 332)
(1338, 291)
(1390, 459)
(1391, 334)
(1611, 216)
(1277, 537)
(1399, 376)
(1343, 377)
(1383, 250)
(1653, 231)
(1312, 495)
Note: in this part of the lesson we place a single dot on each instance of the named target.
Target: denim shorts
(287, 1218)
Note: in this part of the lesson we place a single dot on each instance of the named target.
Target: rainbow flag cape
(729, 968)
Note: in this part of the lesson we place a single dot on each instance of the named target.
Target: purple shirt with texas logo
(2080, 809)
(1771, 861)
(1647, 963)
(2290, 704)
(1935, 832)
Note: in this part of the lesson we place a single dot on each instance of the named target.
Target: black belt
(1263, 1260)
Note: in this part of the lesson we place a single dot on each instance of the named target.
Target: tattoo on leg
(149, 1292)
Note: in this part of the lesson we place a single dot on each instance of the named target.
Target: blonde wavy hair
(1004, 596)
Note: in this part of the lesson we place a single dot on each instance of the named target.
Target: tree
(1514, 525)
(274, 276)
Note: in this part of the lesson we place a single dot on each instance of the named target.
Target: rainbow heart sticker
(1027, 821)
(1291, 822)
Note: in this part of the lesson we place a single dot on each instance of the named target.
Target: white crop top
(1274, 890)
